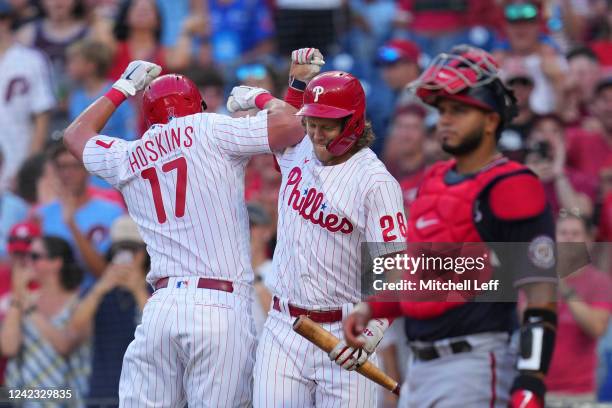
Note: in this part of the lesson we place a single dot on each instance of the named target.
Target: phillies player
(335, 196)
(462, 353)
(183, 183)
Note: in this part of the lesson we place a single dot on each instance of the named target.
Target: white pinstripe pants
(193, 346)
(292, 372)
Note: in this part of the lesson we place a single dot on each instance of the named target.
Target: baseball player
(183, 183)
(462, 353)
(335, 195)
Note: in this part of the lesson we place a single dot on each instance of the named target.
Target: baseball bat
(327, 341)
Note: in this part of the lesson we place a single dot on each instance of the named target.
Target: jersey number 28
(180, 165)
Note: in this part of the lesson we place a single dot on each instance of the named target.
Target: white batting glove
(350, 358)
(242, 98)
(307, 56)
(136, 77)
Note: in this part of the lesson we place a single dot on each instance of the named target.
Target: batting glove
(136, 77)
(242, 98)
(350, 358)
(306, 63)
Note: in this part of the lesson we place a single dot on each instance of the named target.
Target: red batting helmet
(337, 95)
(170, 96)
(469, 75)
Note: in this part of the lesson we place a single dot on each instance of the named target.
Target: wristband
(297, 84)
(115, 96)
(262, 99)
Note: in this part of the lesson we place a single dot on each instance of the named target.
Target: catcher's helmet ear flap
(170, 96)
(469, 75)
(337, 95)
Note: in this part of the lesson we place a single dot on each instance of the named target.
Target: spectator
(583, 75)
(24, 117)
(528, 47)
(112, 308)
(399, 64)
(88, 65)
(589, 151)
(260, 76)
(565, 187)
(306, 23)
(262, 183)
(404, 153)
(79, 218)
(438, 26)
(602, 41)
(513, 138)
(42, 355)
(260, 224)
(62, 24)
(583, 313)
(24, 11)
(12, 210)
(20, 240)
(211, 84)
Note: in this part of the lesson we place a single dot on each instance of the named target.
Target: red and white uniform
(183, 183)
(325, 214)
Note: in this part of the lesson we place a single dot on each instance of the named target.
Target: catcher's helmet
(470, 75)
(337, 95)
(170, 96)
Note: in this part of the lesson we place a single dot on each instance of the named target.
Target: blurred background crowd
(72, 264)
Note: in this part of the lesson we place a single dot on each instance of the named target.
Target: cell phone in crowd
(123, 257)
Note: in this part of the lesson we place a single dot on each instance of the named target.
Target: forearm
(62, 340)
(39, 135)
(94, 261)
(87, 125)
(11, 335)
(178, 56)
(570, 198)
(592, 321)
(86, 310)
(284, 128)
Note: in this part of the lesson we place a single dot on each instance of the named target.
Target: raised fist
(306, 63)
(136, 77)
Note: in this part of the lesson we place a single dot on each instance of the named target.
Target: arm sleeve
(106, 157)
(242, 137)
(386, 227)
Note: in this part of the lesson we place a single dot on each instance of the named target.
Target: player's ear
(492, 121)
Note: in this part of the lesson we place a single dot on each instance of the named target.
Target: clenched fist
(306, 63)
(136, 77)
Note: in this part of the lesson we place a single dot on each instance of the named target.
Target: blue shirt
(94, 220)
(238, 27)
(12, 210)
(122, 123)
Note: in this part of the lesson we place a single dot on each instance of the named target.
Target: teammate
(335, 195)
(183, 183)
(462, 353)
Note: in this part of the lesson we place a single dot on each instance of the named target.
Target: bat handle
(396, 390)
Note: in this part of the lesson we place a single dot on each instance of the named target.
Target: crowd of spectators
(64, 235)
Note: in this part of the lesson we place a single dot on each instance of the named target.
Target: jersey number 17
(150, 174)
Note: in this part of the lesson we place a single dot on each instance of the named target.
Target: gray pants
(481, 377)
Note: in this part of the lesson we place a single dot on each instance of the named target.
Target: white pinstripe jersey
(25, 89)
(325, 213)
(184, 186)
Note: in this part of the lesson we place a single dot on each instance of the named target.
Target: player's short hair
(93, 51)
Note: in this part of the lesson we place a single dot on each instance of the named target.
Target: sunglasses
(26, 240)
(36, 256)
(517, 12)
(256, 71)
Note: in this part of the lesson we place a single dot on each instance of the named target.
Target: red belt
(203, 283)
(327, 316)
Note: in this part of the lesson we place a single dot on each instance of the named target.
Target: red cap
(397, 49)
(21, 236)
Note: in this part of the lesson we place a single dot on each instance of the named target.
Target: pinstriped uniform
(184, 186)
(326, 213)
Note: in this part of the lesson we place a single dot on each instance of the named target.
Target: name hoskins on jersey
(183, 183)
